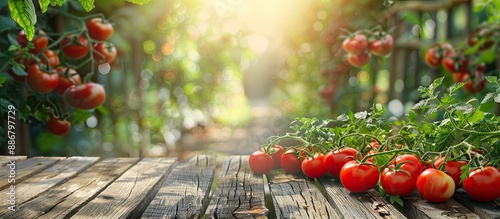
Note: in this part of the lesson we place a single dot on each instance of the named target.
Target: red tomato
(452, 168)
(482, 33)
(40, 41)
(260, 162)
(290, 162)
(21, 39)
(476, 84)
(356, 44)
(67, 78)
(411, 164)
(334, 160)
(434, 55)
(99, 29)
(85, 96)
(357, 177)
(41, 81)
(74, 48)
(276, 152)
(358, 60)
(48, 55)
(455, 62)
(57, 126)
(435, 185)
(483, 185)
(397, 182)
(104, 52)
(314, 167)
(381, 46)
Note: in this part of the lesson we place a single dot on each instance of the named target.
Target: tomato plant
(99, 29)
(85, 96)
(104, 52)
(74, 46)
(290, 162)
(58, 126)
(359, 177)
(454, 62)
(334, 160)
(314, 167)
(434, 54)
(482, 185)
(435, 185)
(41, 81)
(381, 45)
(260, 162)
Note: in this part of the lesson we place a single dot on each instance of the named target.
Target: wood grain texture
(485, 210)
(239, 193)
(6, 159)
(130, 194)
(358, 205)
(417, 207)
(54, 175)
(61, 201)
(298, 197)
(27, 168)
(184, 193)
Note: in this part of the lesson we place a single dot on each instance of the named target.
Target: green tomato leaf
(492, 79)
(488, 98)
(487, 56)
(87, 5)
(2, 80)
(453, 88)
(476, 117)
(497, 98)
(57, 2)
(44, 4)
(138, 2)
(80, 116)
(23, 12)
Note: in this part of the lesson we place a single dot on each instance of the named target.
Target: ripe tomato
(357, 177)
(474, 85)
(356, 44)
(455, 62)
(260, 162)
(434, 55)
(452, 168)
(41, 81)
(480, 34)
(397, 182)
(435, 185)
(67, 78)
(483, 185)
(99, 29)
(334, 160)
(47, 56)
(381, 46)
(85, 96)
(104, 52)
(73, 47)
(276, 151)
(40, 41)
(290, 162)
(57, 126)
(411, 164)
(314, 167)
(358, 60)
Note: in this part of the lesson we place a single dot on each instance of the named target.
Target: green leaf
(4, 104)
(412, 17)
(87, 5)
(395, 199)
(80, 116)
(436, 83)
(456, 86)
(488, 98)
(44, 4)
(492, 79)
(487, 56)
(138, 2)
(2, 80)
(57, 2)
(497, 98)
(23, 12)
(343, 118)
(361, 115)
(476, 117)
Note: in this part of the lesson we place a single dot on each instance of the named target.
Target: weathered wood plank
(58, 173)
(184, 193)
(131, 193)
(485, 210)
(61, 201)
(358, 205)
(239, 193)
(298, 197)
(417, 207)
(6, 159)
(25, 169)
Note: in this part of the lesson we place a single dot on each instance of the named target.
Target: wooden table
(90, 187)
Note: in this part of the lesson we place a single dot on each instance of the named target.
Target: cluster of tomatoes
(46, 72)
(459, 64)
(359, 46)
(399, 177)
